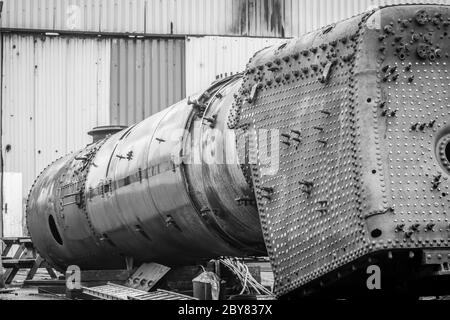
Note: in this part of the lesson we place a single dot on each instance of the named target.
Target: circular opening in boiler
(376, 233)
(54, 230)
(442, 149)
(447, 152)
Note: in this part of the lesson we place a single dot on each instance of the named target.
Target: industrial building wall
(219, 17)
(147, 75)
(277, 18)
(209, 57)
(216, 17)
(54, 90)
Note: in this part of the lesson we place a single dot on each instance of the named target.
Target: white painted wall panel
(13, 218)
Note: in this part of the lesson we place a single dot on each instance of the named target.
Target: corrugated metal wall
(147, 75)
(54, 91)
(277, 18)
(231, 17)
(209, 57)
(18, 107)
(302, 16)
(216, 17)
(81, 15)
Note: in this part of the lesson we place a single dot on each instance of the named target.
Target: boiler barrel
(170, 189)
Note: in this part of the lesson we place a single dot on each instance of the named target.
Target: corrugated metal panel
(220, 17)
(200, 17)
(209, 57)
(82, 15)
(216, 17)
(122, 15)
(147, 75)
(54, 91)
(302, 16)
(18, 107)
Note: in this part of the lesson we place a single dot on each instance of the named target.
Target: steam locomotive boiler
(329, 154)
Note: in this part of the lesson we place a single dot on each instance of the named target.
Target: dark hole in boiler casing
(442, 149)
(447, 152)
(376, 233)
(54, 230)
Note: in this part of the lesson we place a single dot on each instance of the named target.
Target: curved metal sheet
(57, 196)
(138, 198)
(215, 175)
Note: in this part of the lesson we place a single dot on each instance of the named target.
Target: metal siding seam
(114, 117)
(123, 82)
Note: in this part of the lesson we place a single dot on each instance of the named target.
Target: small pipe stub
(99, 133)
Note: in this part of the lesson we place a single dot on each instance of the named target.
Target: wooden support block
(19, 263)
(45, 283)
(25, 244)
(25, 257)
(10, 274)
(20, 251)
(34, 268)
(10, 241)
(14, 264)
(6, 250)
(16, 240)
(51, 272)
(49, 269)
